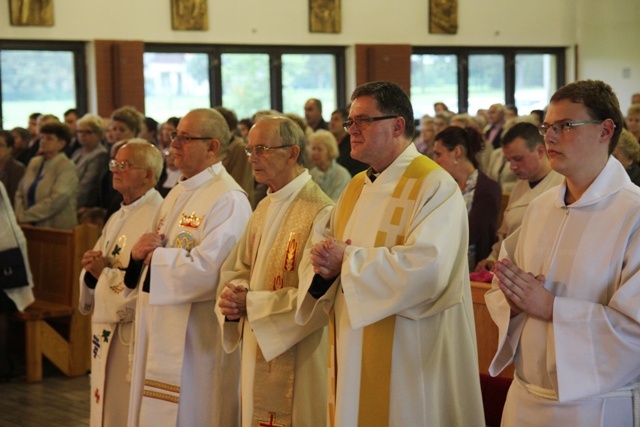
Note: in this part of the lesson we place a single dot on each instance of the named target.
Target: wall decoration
(443, 16)
(325, 16)
(189, 15)
(31, 12)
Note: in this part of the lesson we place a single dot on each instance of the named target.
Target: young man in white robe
(136, 170)
(394, 269)
(523, 147)
(284, 365)
(567, 289)
(181, 374)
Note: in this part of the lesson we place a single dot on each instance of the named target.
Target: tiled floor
(57, 401)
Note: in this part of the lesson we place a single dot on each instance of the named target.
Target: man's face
(525, 164)
(633, 125)
(191, 157)
(572, 150)
(370, 141)
(71, 120)
(33, 126)
(312, 113)
(335, 124)
(495, 115)
(271, 166)
(130, 181)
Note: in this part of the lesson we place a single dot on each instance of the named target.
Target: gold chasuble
(274, 380)
(377, 338)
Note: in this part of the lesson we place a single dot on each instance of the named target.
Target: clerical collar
(372, 174)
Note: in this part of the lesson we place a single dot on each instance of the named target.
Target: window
(242, 78)
(48, 78)
(175, 82)
(245, 83)
(467, 79)
(434, 78)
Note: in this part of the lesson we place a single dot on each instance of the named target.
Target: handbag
(13, 273)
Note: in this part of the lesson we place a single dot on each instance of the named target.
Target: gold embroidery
(161, 396)
(161, 385)
(191, 221)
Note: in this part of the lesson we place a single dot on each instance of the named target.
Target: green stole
(274, 380)
(377, 338)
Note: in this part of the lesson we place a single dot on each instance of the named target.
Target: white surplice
(425, 282)
(519, 198)
(270, 323)
(589, 253)
(113, 312)
(177, 332)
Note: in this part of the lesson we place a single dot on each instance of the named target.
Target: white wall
(607, 32)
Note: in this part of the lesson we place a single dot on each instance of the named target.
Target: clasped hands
(233, 301)
(524, 291)
(146, 244)
(326, 257)
(93, 262)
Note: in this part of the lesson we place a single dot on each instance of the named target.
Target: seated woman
(91, 161)
(48, 192)
(627, 152)
(326, 172)
(455, 150)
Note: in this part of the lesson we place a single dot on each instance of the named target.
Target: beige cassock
(284, 365)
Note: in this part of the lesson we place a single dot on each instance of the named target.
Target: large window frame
(275, 53)
(509, 53)
(79, 64)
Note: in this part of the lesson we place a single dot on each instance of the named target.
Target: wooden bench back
(55, 258)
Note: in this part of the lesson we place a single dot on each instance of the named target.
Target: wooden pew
(54, 327)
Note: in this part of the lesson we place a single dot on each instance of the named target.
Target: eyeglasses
(564, 126)
(359, 121)
(261, 149)
(115, 165)
(186, 139)
(84, 132)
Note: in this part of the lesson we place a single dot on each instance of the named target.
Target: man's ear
(295, 153)
(398, 126)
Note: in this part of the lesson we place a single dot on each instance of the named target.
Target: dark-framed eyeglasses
(261, 149)
(359, 121)
(564, 126)
(115, 165)
(186, 139)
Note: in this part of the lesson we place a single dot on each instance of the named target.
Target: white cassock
(519, 198)
(582, 368)
(270, 323)
(113, 312)
(181, 375)
(434, 378)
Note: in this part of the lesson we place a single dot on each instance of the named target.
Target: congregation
(287, 270)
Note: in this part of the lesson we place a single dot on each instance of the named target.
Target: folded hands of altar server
(233, 301)
(327, 256)
(524, 291)
(146, 244)
(93, 262)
